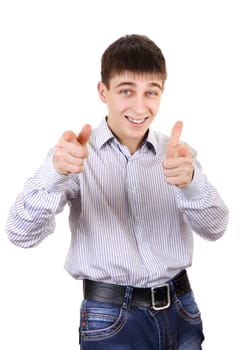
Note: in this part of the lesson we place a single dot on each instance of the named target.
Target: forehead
(136, 78)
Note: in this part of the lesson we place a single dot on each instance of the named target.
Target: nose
(140, 105)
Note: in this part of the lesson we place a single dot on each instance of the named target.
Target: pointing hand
(71, 151)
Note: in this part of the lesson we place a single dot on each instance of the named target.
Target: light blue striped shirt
(128, 226)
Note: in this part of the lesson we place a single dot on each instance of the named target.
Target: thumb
(84, 134)
(175, 134)
(174, 140)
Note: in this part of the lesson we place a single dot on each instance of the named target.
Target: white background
(49, 69)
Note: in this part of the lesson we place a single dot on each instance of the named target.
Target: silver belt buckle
(156, 299)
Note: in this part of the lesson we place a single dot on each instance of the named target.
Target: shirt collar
(151, 140)
(104, 135)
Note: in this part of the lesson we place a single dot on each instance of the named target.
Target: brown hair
(134, 53)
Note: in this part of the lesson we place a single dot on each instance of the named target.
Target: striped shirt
(128, 226)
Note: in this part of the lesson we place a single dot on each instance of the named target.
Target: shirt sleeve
(32, 216)
(202, 206)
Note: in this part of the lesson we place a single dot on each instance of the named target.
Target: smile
(136, 121)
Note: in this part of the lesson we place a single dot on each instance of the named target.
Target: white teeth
(136, 121)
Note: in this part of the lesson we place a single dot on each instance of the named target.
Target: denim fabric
(113, 327)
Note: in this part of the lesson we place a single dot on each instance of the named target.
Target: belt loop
(172, 290)
(127, 297)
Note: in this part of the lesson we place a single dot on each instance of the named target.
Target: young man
(135, 198)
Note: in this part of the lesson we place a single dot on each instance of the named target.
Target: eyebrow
(152, 84)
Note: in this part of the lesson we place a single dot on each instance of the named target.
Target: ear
(102, 90)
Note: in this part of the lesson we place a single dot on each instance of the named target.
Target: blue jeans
(113, 327)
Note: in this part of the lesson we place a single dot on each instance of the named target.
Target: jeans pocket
(101, 320)
(188, 308)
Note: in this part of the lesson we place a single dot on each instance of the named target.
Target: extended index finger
(84, 135)
(175, 134)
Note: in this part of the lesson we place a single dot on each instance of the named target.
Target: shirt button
(133, 189)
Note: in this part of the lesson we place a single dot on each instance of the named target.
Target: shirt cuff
(195, 188)
(51, 180)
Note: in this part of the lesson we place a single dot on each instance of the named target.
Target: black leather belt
(158, 297)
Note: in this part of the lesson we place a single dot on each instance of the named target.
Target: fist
(178, 167)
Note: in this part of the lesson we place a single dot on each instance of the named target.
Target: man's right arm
(32, 216)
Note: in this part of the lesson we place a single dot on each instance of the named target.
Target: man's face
(133, 101)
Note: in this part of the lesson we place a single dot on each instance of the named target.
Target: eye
(152, 93)
(125, 92)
